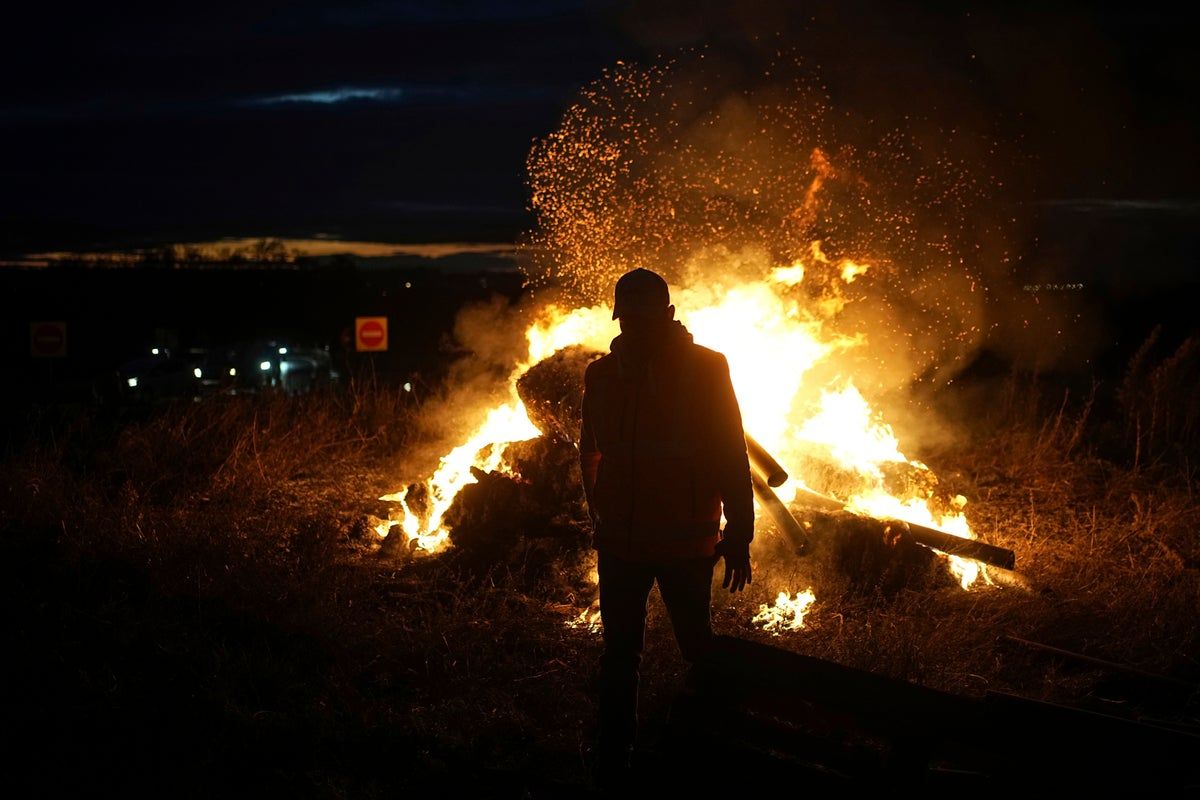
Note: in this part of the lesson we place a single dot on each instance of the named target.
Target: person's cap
(641, 292)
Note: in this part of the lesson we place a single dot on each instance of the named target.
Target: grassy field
(194, 603)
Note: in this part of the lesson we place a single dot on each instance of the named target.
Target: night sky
(407, 121)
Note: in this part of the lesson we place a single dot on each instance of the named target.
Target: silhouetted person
(663, 453)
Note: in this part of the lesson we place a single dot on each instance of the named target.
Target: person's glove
(737, 563)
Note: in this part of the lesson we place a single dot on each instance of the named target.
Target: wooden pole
(773, 473)
(783, 518)
(1111, 666)
(939, 540)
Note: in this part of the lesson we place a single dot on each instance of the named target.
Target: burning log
(773, 473)
(953, 545)
(767, 472)
(868, 555)
(938, 540)
(783, 518)
(817, 500)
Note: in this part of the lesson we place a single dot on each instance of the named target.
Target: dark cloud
(165, 120)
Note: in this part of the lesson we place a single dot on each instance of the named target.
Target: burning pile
(824, 272)
(828, 435)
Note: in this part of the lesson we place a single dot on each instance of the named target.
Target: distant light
(132, 383)
(232, 372)
(154, 351)
(264, 366)
(408, 284)
(407, 387)
(283, 351)
(198, 373)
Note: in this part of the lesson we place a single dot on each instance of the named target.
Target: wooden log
(1086, 752)
(759, 676)
(1014, 739)
(695, 720)
(1092, 728)
(1019, 744)
(1111, 666)
(938, 540)
(817, 500)
(773, 473)
(953, 545)
(779, 512)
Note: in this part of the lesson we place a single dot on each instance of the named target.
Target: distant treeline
(260, 251)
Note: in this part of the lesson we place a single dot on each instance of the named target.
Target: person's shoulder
(602, 363)
(600, 367)
(708, 358)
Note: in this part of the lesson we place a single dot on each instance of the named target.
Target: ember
(787, 289)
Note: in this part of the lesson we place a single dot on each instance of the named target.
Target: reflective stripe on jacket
(662, 450)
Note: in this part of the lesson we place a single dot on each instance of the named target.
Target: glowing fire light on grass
(588, 619)
(787, 612)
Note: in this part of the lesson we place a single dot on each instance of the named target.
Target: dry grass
(200, 581)
(1111, 550)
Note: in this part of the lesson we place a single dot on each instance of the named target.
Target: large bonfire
(825, 272)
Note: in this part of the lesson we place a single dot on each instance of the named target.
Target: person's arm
(733, 481)
(589, 453)
(733, 465)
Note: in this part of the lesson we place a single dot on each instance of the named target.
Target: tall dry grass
(1160, 403)
(1106, 528)
(222, 544)
(229, 534)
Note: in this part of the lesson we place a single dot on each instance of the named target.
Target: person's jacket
(662, 449)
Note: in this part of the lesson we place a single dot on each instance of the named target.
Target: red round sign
(371, 334)
(48, 338)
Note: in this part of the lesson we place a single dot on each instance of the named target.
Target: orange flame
(786, 613)
(753, 323)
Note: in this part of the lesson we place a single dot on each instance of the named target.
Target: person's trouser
(686, 588)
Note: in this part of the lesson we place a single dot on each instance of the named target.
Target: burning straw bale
(488, 517)
(821, 472)
(550, 468)
(552, 391)
(543, 499)
(871, 555)
(907, 480)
